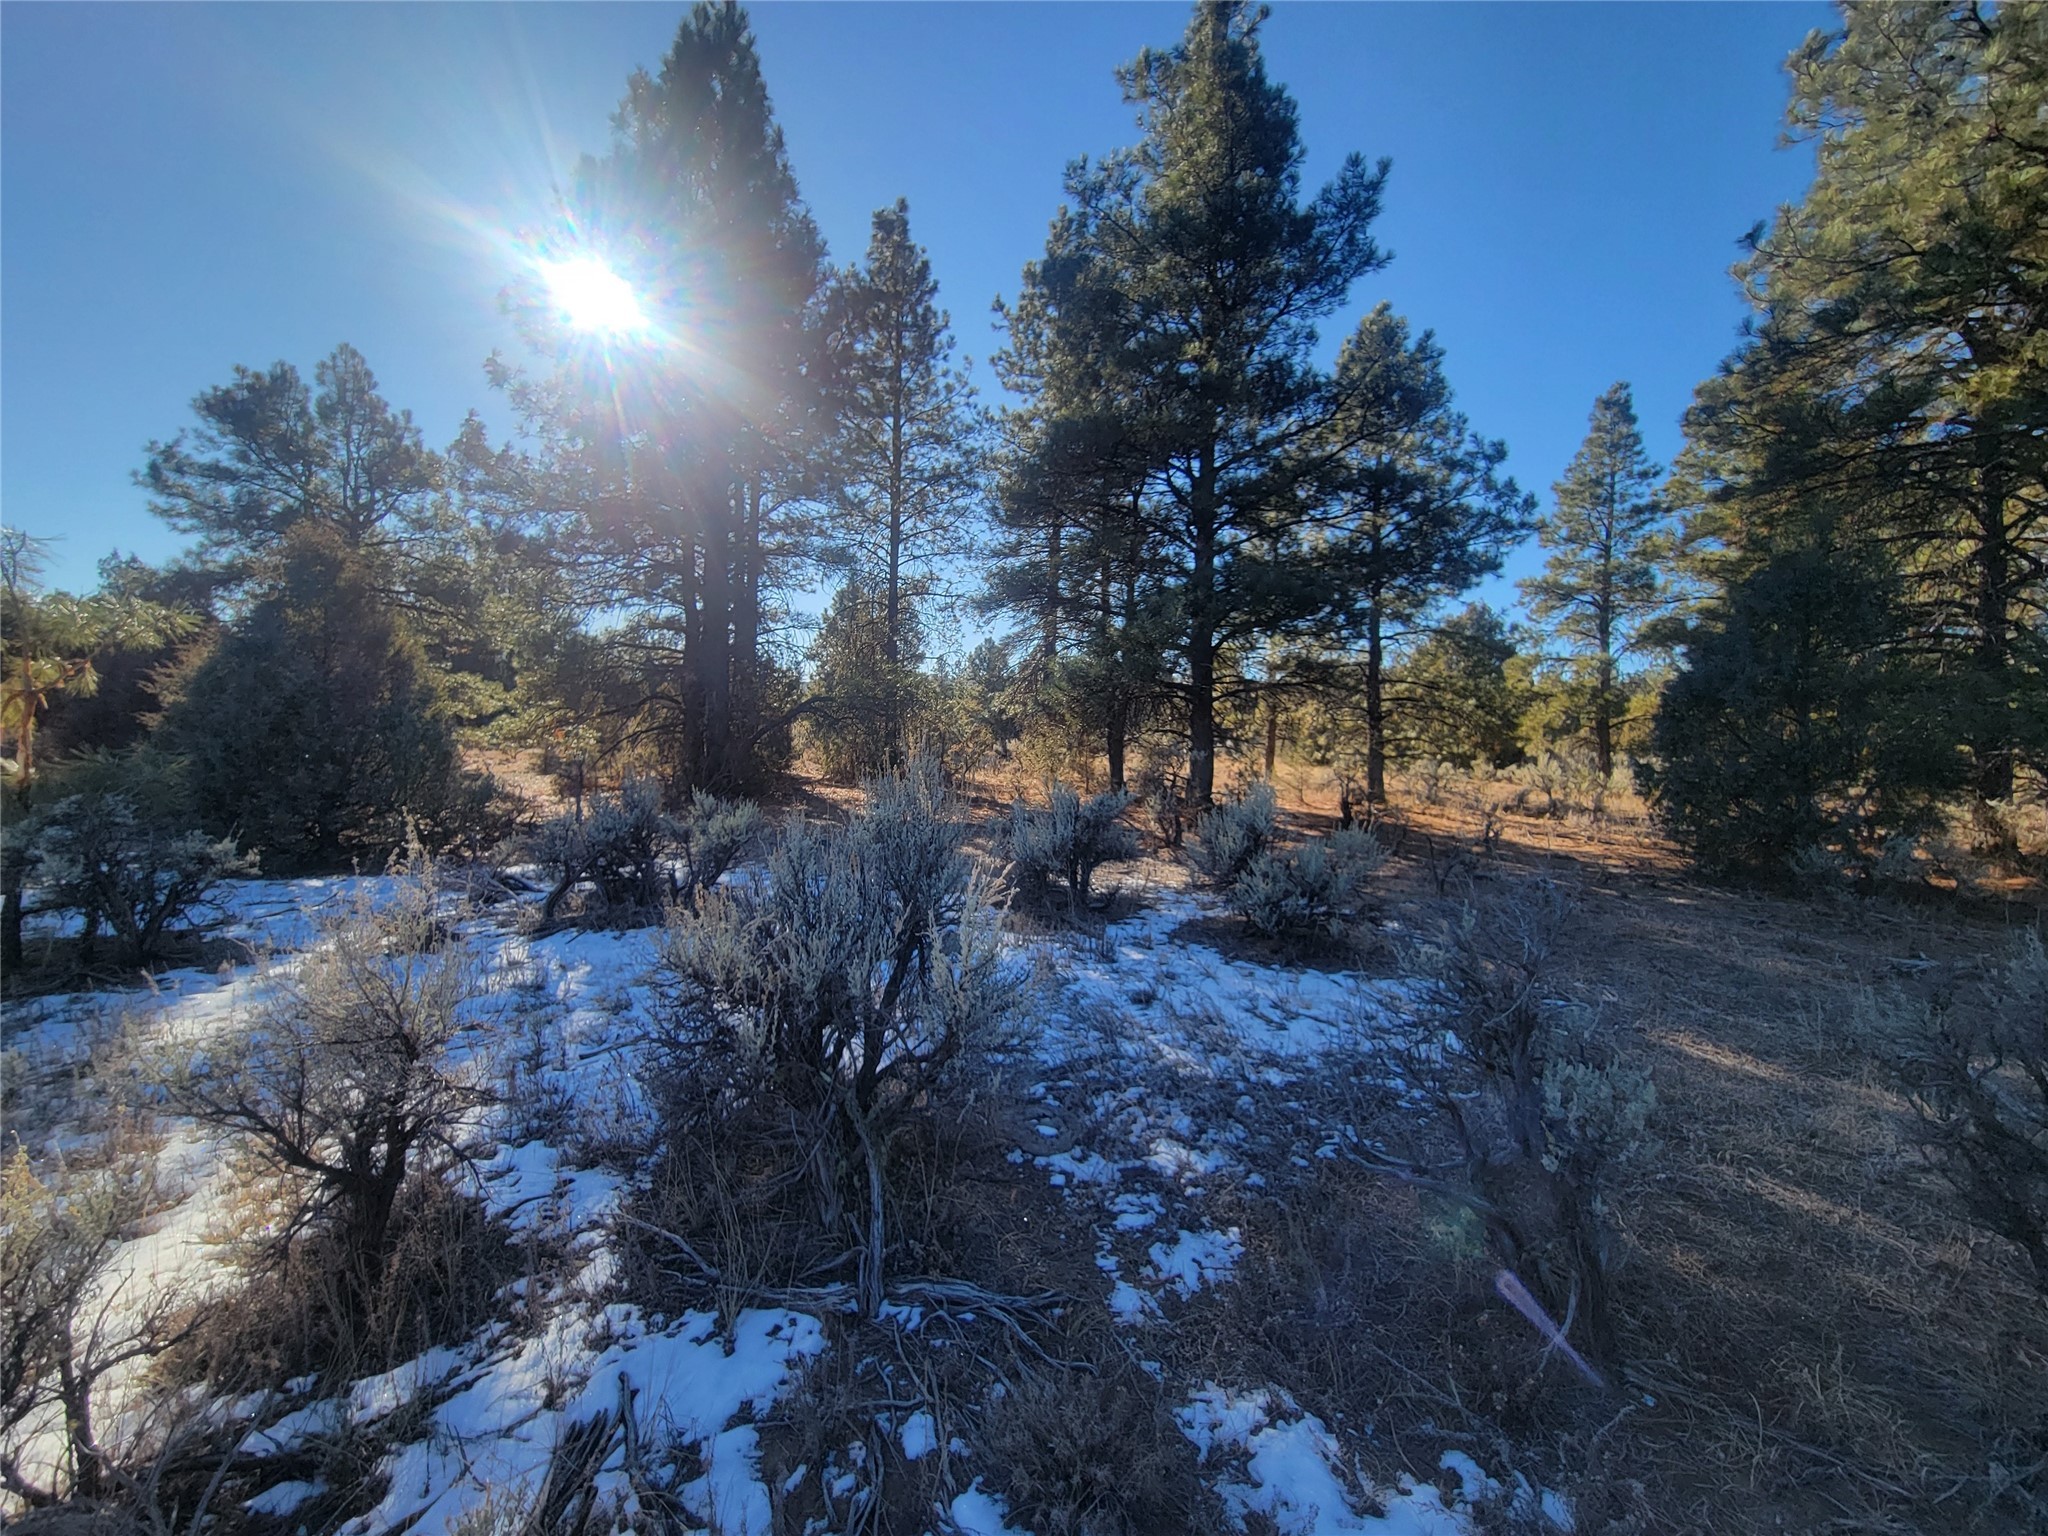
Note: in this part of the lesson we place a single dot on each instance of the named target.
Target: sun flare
(592, 297)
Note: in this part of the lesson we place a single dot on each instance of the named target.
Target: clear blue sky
(187, 187)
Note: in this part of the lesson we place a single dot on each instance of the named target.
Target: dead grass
(1818, 1341)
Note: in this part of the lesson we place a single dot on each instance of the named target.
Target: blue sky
(184, 188)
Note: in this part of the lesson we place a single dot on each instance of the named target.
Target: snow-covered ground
(1146, 1051)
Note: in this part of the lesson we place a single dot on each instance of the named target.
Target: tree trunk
(1604, 625)
(1375, 711)
(1991, 744)
(372, 1204)
(746, 627)
(1049, 616)
(892, 615)
(690, 754)
(716, 673)
(1603, 727)
(88, 1479)
(1202, 643)
(1116, 745)
(10, 920)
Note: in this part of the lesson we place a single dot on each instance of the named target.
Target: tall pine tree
(1191, 271)
(1421, 513)
(687, 455)
(1608, 536)
(1890, 400)
(905, 464)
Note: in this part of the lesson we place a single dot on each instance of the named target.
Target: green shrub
(1798, 721)
(315, 731)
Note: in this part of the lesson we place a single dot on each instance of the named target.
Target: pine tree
(1798, 721)
(1607, 534)
(1191, 272)
(863, 699)
(1891, 397)
(1079, 558)
(313, 730)
(1421, 513)
(905, 457)
(1461, 699)
(681, 466)
(272, 457)
(270, 454)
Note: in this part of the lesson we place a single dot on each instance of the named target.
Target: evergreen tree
(904, 461)
(1189, 273)
(1890, 400)
(271, 457)
(1460, 696)
(1421, 513)
(1797, 721)
(1607, 534)
(678, 466)
(270, 454)
(313, 730)
(863, 699)
(1080, 559)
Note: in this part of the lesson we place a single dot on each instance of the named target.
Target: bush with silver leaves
(1069, 840)
(102, 853)
(1306, 893)
(828, 997)
(635, 858)
(1234, 832)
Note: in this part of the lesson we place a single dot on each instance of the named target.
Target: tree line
(1182, 532)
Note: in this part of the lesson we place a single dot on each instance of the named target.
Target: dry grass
(1818, 1341)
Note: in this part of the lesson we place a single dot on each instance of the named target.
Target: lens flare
(594, 298)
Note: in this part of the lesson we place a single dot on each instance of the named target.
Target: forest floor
(1149, 1290)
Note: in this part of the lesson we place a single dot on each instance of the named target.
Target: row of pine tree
(1179, 530)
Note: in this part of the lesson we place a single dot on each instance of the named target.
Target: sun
(594, 298)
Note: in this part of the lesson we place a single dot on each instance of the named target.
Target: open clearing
(1160, 1289)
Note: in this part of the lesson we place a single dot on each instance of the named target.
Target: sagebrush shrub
(348, 1084)
(836, 989)
(1160, 789)
(624, 844)
(121, 850)
(1234, 832)
(1433, 777)
(1305, 893)
(1070, 839)
(1543, 1108)
(59, 1339)
(145, 881)
(1976, 1067)
(711, 837)
(1567, 782)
